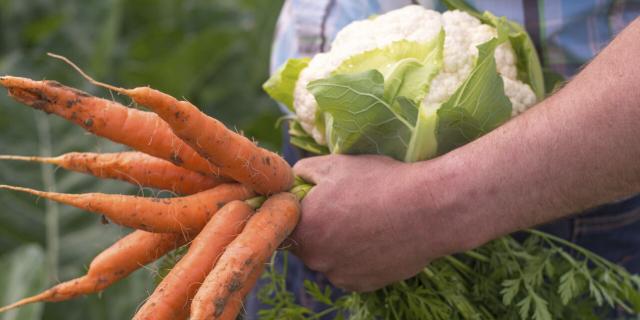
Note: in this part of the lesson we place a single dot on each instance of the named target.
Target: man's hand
(365, 223)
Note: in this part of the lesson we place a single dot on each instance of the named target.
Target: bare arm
(371, 220)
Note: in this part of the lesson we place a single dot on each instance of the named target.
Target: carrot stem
(300, 189)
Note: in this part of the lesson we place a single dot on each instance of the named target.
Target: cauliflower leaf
(528, 62)
(370, 104)
(357, 117)
(478, 106)
(281, 85)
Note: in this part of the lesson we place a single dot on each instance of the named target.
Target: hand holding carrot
(377, 207)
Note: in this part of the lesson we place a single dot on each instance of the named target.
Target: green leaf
(524, 306)
(541, 311)
(385, 59)
(553, 81)
(473, 288)
(632, 292)
(370, 104)
(410, 77)
(303, 140)
(423, 144)
(568, 288)
(510, 289)
(281, 85)
(478, 106)
(316, 293)
(358, 118)
(528, 62)
(23, 275)
(594, 291)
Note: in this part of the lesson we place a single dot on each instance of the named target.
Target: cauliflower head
(462, 34)
(399, 83)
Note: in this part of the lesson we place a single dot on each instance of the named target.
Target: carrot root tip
(26, 158)
(37, 298)
(86, 76)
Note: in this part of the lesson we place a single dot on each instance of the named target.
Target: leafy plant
(537, 278)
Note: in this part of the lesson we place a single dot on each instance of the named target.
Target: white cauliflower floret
(520, 95)
(463, 33)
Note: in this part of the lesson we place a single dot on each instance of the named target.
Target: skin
(371, 221)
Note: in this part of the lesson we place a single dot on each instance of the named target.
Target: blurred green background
(214, 53)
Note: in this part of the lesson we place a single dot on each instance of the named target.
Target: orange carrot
(184, 314)
(140, 130)
(134, 167)
(236, 299)
(238, 157)
(116, 262)
(182, 214)
(180, 285)
(266, 229)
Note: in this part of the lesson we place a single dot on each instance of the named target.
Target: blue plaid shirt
(567, 34)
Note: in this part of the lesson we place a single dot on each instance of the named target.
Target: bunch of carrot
(219, 174)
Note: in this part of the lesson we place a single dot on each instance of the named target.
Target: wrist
(451, 209)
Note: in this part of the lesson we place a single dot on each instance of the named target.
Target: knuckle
(307, 164)
(299, 166)
(367, 287)
(337, 281)
(344, 283)
(316, 263)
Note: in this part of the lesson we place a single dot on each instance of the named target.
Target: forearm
(575, 150)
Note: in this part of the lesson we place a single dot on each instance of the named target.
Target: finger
(295, 244)
(300, 232)
(314, 169)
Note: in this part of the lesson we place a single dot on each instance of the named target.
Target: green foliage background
(213, 53)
